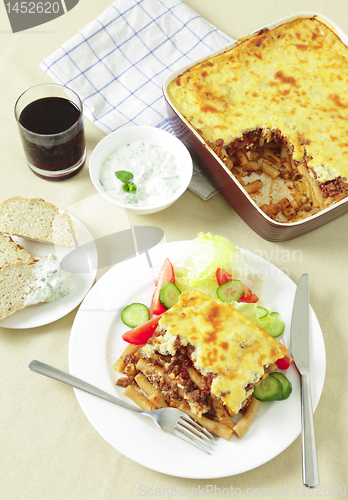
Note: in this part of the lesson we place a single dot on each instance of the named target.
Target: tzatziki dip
(156, 174)
(50, 282)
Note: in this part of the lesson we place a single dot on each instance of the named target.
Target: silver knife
(299, 343)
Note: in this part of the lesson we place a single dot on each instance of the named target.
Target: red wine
(49, 115)
(46, 151)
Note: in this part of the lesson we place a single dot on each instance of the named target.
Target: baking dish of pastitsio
(267, 120)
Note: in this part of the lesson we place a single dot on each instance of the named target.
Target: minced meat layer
(256, 142)
(252, 141)
(337, 188)
(178, 379)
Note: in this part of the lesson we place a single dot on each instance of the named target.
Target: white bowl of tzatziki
(142, 169)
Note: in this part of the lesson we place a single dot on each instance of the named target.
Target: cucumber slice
(261, 312)
(269, 389)
(230, 291)
(286, 384)
(135, 314)
(169, 294)
(272, 324)
(251, 311)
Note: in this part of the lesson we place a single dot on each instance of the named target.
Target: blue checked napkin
(118, 62)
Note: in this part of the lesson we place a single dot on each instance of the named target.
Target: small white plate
(81, 261)
(96, 343)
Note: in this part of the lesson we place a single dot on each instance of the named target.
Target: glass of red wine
(50, 121)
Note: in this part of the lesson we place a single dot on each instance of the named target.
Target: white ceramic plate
(95, 344)
(83, 258)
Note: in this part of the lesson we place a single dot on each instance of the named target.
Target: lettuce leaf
(196, 268)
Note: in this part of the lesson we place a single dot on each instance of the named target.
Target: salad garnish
(197, 267)
(213, 265)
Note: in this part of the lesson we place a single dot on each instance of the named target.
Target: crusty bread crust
(36, 219)
(10, 251)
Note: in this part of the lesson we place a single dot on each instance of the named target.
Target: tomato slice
(165, 275)
(248, 296)
(285, 362)
(222, 276)
(141, 334)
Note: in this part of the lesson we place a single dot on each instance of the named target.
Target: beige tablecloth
(48, 448)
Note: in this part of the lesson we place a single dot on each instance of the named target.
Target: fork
(168, 419)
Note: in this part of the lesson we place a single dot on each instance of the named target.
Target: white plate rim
(46, 313)
(92, 354)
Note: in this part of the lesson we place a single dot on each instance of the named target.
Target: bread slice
(10, 251)
(32, 282)
(36, 219)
